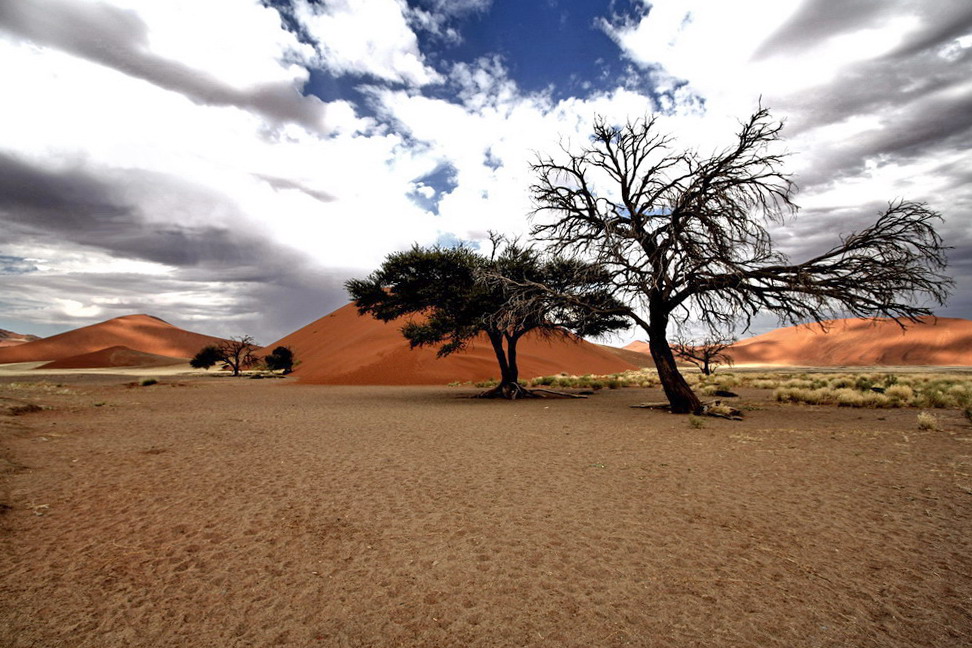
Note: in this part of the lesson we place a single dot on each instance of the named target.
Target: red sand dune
(116, 356)
(138, 332)
(9, 338)
(635, 357)
(857, 342)
(639, 347)
(345, 348)
(860, 342)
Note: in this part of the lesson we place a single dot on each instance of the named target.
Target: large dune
(116, 356)
(345, 348)
(857, 342)
(860, 342)
(137, 332)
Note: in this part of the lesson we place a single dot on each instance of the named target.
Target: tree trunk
(509, 386)
(680, 396)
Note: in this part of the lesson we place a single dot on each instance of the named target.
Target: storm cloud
(118, 39)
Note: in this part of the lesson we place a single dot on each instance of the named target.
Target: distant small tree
(236, 353)
(206, 358)
(280, 359)
(707, 354)
(456, 294)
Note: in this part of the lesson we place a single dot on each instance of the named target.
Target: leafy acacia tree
(454, 294)
(206, 358)
(280, 359)
(706, 354)
(686, 235)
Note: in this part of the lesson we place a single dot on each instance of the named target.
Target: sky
(227, 165)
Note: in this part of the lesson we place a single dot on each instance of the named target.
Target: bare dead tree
(685, 235)
(707, 354)
(237, 352)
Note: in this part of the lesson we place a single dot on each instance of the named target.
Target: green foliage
(458, 293)
(146, 382)
(454, 294)
(280, 359)
(206, 358)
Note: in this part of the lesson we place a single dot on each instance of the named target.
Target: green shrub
(145, 382)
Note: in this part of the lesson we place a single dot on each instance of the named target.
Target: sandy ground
(234, 512)
(31, 371)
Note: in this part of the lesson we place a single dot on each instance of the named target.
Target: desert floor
(234, 512)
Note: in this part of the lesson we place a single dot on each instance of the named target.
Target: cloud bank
(230, 179)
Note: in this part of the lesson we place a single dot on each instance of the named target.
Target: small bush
(765, 384)
(901, 394)
(145, 382)
(874, 399)
(927, 421)
(863, 383)
(840, 382)
(726, 381)
(696, 422)
(847, 397)
(935, 398)
(719, 409)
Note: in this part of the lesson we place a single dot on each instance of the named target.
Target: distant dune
(634, 356)
(142, 333)
(857, 342)
(639, 347)
(9, 338)
(344, 348)
(116, 356)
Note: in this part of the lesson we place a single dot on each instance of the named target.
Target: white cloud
(833, 72)
(366, 38)
(311, 195)
(238, 42)
(74, 308)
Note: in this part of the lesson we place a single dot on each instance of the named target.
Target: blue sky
(227, 164)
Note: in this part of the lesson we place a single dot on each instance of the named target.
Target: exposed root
(514, 391)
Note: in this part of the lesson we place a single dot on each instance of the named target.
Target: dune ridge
(344, 348)
(143, 333)
(856, 342)
(10, 338)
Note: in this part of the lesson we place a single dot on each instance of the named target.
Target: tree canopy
(454, 294)
(236, 353)
(686, 235)
(280, 359)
